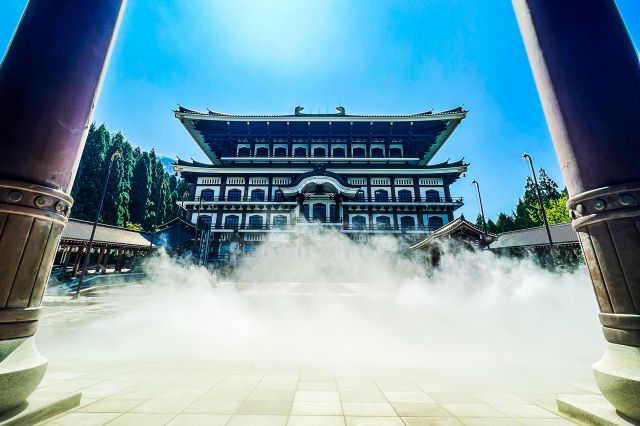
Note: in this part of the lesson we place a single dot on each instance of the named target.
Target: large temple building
(274, 175)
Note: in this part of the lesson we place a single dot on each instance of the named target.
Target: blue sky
(245, 56)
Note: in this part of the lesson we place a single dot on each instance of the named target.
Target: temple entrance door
(320, 212)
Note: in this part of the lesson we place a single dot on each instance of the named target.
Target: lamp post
(163, 184)
(484, 223)
(85, 264)
(540, 203)
(588, 77)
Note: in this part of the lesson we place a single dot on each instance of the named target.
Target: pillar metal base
(21, 371)
(618, 377)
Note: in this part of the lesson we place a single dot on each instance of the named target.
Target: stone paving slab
(245, 393)
(217, 394)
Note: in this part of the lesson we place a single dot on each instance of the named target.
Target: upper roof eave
(456, 113)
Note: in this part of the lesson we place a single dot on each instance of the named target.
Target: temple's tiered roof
(421, 134)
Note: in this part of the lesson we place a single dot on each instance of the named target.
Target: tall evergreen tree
(548, 188)
(140, 203)
(89, 180)
(527, 213)
(116, 203)
(505, 223)
(134, 187)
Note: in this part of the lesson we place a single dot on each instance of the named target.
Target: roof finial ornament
(340, 110)
(298, 110)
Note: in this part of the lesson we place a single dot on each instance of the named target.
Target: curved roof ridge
(458, 110)
(193, 162)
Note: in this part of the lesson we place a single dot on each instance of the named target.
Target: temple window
(257, 195)
(207, 195)
(377, 152)
(339, 152)
(432, 196)
(319, 152)
(360, 196)
(280, 152)
(407, 222)
(234, 195)
(404, 196)
(383, 222)
(244, 152)
(381, 196)
(435, 222)
(305, 211)
(204, 222)
(231, 222)
(262, 152)
(300, 152)
(320, 212)
(255, 221)
(359, 222)
(278, 195)
(359, 153)
(395, 153)
(280, 220)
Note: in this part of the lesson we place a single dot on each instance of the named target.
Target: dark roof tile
(80, 230)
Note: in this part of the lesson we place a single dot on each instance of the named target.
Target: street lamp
(544, 213)
(85, 265)
(484, 223)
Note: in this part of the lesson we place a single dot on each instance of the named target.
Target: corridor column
(588, 77)
(49, 79)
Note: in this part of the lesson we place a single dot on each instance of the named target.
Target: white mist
(323, 301)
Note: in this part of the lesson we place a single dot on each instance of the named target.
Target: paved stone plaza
(254, 394)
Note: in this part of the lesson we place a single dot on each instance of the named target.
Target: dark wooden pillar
(99, 257)
(105, 260)
(49, 80)
(77, 260)
(67, 258)
(119, 260)
(588, 77)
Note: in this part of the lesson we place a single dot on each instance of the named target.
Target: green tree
(116, 203)
(140, 204)
(527, 212)
(134, 226)
(548, 188)
(491, 227)
(557, 211)
(505, 223)
(91, 173)
(479, 221)
(134, 186)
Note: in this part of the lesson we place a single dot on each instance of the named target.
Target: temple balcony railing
(247, 199)
(308, 158)
(400, 201)
(372, 227)
(330, 221)
(404, 201)
(350, 227)
(251, 227)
